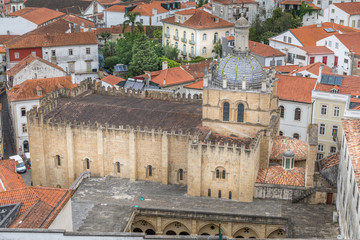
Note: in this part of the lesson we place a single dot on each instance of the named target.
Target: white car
(19, 164)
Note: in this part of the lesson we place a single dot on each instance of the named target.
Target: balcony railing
(192, 42)
(192, 55)
(176, 38)
(184, 40)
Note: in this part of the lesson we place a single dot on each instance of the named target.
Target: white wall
(35, 70)
(269, 59)
(336, 15)
(90, 9)
(79, 56)
(15, 26)
(317, 57)
(310, 18)
(284, 44)
(288, 125)
(113, 18)
(64, 219)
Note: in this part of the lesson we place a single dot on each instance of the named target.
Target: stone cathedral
(216, 146)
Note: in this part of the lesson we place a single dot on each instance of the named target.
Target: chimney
(243, 87)
(147, 78)
(320, 73)
(164, 65)
(73, 80)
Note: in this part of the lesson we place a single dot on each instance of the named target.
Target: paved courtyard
(105, 205)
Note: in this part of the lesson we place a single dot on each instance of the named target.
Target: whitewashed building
(344, 13)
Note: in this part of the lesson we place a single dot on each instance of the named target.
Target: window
(141, 21)
(53, 53)
(204, 36)
(176, 33)
(88, 66)
(24, 128)
(322, 129)
(181, 174)
(167, 31)
(58, 160)
(324, 60)
(184, 35)
(226, 111)
(88, 50)
(150, 170)
(87, 162)
(332, 149)
(330, 43)
(323, 109)
(220, 173)
(336, 60)
(282, 111)
(336, 111)
(332, 10)
(359, 64)
(336, 45)
(184, 49)
(70, 52)
(209, 192)
(341, 22)
(227, 33)
(192, 37)
(297, 115)
(285, 38)
(16, 55)
(23, 112)
(219, 194)
(230, 195)
(33, 53)
(358, 23)
(319, 156)
(240, 113)
(321, 148)
(216, 37)
(296, 135)
(334, 131)
(312, 60)
(204, 50)
(176, 45)
(281, 133)
(289, 39)
(118, 167)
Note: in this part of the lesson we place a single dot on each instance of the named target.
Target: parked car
(19, 164)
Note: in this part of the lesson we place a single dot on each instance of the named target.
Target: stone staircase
(304, 195)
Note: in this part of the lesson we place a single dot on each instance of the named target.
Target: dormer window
(334, 90)
(39, 91)
(288, 160)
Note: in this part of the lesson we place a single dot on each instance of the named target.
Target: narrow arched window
(150, 170)
(223, 174)
(216, 37)
(282, 111)
(58, 160)
(168, 31)
(240, 113)
(181, 174)
(281, 133)
(176, 33)
(217, 173)
(296, 135)
(118, 167)
(204, 36)
(192, 37)
(227, 33)
(297, 115)
(87, 161)
(226, 111)
(176, 45)
(184, 35)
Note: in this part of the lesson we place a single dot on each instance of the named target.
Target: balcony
(183, 53)
(184, 40)
(176, 38)
(192, 55)
(167, 35)
(192, 42)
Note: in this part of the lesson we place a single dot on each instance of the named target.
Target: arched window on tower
(282, 111)
(181, 174)
(240, 113)
(118, 167)
(297, 115)
(220, 173)
(87, 162)
(226, 111)
(149, 171)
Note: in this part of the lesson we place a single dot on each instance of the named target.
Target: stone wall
(270, 191)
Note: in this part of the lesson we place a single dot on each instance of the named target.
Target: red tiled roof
(146, 9)
(112, 80)
(228, 2)
(10, 180)
(171, 76)
(5, 38)
(2, 50)
(314, 6)
(294, 88)
(282, 144)
(79, 20)
(351, 41)
(108, 2)
(263, 49)
(188, 4)
(28, 89)
(40, 206)
(350, 85)
(42, 15)
(26, 61)
(357, 107)
(187, 12)
(314, 69)
(315, 50)
(330, 161)
(352, 8)
(201, 20)
(352, 135)
(195, 85)
(22, 11)
(116, 8)
(279, 176)
(9, 164)
(112, 30)
(309, 35)
(286, 68)
(52, 40)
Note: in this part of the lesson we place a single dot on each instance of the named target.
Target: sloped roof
(187, 12)
(229, 2)
(315, 50)
(329, 167)
(22, 11)
(116, 8)
(66, 6)
(28, 89)
(201, 20)
(196, 85)
(286, 68)
(10, 180)
(352, 8)
(282, 144)
(53, 40)
(349, 85)
(5, 38)
(171, 76)
(9, 164)
(309, 35)
(112, 30)
(330, 161)
(42, 15)
(26, 61)
(294, 88)
(79, 20)
(146, 9)
(112, 80)
(279, 176)
(264, 50)
(351, 41)
(40, 206)
(314, 69)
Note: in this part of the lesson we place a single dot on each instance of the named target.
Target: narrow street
(8, 134)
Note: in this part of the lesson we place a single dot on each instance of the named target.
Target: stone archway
(246, 233)
(143, 226)
(210, 229)
(279, 233)
(177, 228)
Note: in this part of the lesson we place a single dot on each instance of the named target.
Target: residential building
(347, 202)
(267, 55)
(311, 70)
(9, 179)
(344, 13)
(310, 17)
(111, 81)
(32, 67)
(26, 96)
(115, 32)
(346, 50)
(195, 32)
(66, 6)
(230, 10)
(98, 6)
(194, 90)
(74, 52)
(16, 5)
(295, 105)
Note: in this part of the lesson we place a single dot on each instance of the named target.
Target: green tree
(124, 48)
(200, 3)
(110, 62)
(109, 49)
(217, 49)
(171, 63)
(144, 57)
(104, 36)
(171, 52)
(131, 18)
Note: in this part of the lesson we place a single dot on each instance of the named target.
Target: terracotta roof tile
(2, 50)
(279, 176)
(10, 180)
(352, 8)
(27, 90)
(55, 27)
(26, 61)
(352, 134)
(294, 88)
(195, 85)
(116, 8)
(146, 9)
(22, 11)
(309, 35)
(42, 15)
(9, 164)
(330, 161)
(79, 21)
(187, 12)
(228, 2)
(351, 41)
(282, 144)
(48, 40)
(112, 80)
(314, 6)
(286, 68)
(171, 76)
(315, 50)
(201, 20)
(40, 206)
(112, 30)
(314, 69)
(5, 38)
(350, 85)
(264, 50)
